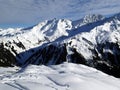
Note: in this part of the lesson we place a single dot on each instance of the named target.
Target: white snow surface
(66, 76)
(83, 34)
(63, 30)
(44, 32)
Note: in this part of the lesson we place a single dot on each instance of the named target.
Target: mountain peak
(92, 18)
(92, 41)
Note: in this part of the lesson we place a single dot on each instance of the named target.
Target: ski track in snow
(17, 86)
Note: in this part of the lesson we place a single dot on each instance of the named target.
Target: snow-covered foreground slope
(66, 76)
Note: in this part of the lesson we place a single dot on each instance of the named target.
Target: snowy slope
(44, 32)
(88, 36)
(93, 41)
(107, 30)
(21, 40)
(66, 76)
(94, 44)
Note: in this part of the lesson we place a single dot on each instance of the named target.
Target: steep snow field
(66, 76)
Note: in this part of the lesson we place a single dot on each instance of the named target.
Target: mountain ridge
(94, 42)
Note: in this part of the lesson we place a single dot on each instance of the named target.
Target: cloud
(34, 11)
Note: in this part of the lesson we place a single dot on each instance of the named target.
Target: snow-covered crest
(88, 41)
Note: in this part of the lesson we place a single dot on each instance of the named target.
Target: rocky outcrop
(107, 58)
(49, 55)
(6, 57)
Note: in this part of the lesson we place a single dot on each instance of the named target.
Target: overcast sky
(34, 11)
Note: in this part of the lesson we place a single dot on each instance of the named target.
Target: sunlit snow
(66, 76)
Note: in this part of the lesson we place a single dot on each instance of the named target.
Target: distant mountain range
(93, 40)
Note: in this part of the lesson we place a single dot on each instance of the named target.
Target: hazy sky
(33, 11)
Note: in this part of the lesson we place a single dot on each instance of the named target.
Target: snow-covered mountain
(93, 41)
(88, 19)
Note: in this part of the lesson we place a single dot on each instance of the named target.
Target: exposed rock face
(52, 55)
(105, 57)
(6, 57)
(109, 58)
(48, 55)
(92, 18)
